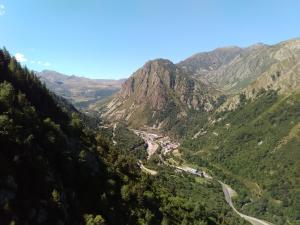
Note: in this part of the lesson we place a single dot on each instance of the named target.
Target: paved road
(146, 170)
(228, 194)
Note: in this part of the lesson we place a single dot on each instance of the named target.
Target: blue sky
(113, 38)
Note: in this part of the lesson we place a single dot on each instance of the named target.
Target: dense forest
(55, 169)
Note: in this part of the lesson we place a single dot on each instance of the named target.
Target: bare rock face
(155, 87)
(151, 84)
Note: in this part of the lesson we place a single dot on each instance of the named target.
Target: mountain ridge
(81, 91)
(244, 66)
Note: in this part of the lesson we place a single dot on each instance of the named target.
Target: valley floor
(166, 146)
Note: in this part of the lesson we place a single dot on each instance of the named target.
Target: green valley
(212, 140)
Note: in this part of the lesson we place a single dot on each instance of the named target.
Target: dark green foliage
(190, 200)
(129, 143)
(25, 81)
(53, 170)
(242, 98)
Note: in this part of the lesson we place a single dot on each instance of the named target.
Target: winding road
(228, 193)
(146, 170)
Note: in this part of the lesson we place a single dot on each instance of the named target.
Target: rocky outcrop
(156, 87)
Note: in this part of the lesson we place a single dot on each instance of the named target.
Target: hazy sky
(113, 38)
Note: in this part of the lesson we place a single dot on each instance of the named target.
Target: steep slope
(243, 69)
(233, 69)
(256, 147)
(203, 63)
(55, 171)
(81, 91)
(228, 68)
(158, 92)
(282, 76)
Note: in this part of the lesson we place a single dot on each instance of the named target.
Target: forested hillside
(56, 170)
(256, 149)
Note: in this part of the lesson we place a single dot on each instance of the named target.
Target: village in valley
(166, 145)
(156, 142)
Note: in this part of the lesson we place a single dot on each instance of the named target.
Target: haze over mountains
(80, 91)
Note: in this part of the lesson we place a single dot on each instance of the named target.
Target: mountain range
(80, 91)
(204, 82)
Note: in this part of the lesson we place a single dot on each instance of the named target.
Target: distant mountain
(81, 91)
(283, 75)
(232, 69)
(157, 93)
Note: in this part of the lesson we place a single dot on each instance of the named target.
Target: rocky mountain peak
(155, 87)
(160, 62)
(151, 83)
